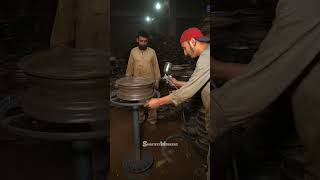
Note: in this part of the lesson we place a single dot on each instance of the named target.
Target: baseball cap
(195, 33)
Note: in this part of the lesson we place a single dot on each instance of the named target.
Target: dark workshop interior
(267, 147)
(69, 111)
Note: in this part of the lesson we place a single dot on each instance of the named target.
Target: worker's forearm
(165, 100)
(226, 71)
(180, 83)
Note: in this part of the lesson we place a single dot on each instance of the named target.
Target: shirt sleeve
(130, 66)
(156, 69)
(198, 79)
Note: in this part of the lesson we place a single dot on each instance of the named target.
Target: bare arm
(177, 83)
(156, 102)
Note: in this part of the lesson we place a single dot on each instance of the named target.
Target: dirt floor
(121, 143)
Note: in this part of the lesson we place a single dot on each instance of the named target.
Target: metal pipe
(136, 131)
(82, 160)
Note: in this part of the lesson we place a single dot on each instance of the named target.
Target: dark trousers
(306, 111)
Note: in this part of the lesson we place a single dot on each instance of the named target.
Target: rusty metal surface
(67, 86)
(17, 80)
(67, 63)
(135, 88)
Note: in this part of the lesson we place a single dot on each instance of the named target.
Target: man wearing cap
(194, 44)
(143, 63)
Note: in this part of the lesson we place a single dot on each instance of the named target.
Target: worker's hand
(174, 81)
(153, 103)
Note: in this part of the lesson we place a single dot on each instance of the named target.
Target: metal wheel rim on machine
(138, 161)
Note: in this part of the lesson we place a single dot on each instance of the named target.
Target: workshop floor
(121, 142)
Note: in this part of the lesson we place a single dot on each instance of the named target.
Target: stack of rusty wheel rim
(67, 85)
(17, 80)
(135, 88)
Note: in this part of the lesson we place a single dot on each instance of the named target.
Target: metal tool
(167, 74)
(167, 68)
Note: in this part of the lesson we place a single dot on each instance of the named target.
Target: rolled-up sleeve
(198, 79)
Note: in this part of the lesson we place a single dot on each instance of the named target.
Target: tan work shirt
(198, 79)
(143, 64)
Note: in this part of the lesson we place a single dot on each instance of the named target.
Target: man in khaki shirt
(194, 44)
(143, 63)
